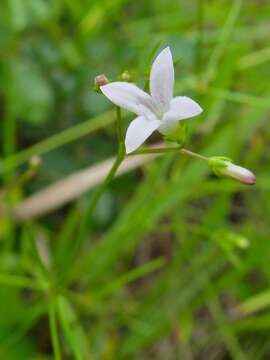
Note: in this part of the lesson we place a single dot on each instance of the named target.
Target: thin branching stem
(169, 150)
(155, 150)
(193, 154)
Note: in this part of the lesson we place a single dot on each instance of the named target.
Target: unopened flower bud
(125, 76)
(239, 173)
(101, 80)
(223, 166)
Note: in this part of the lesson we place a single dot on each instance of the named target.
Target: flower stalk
(119, 129)
(169, 150)
(93, 203)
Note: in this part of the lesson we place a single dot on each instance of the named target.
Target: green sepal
(179, 135)
(217, 163)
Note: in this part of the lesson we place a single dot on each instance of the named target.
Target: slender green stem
(53, 330)
(120, 157)
(155, 151)
(119, 129)
(193, 154)
(169, 150)
(90, 209)
(100, 191)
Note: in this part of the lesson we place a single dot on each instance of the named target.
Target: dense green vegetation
(173, 263)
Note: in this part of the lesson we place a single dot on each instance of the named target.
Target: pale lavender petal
(182, 107)
(138, 131)
(162, 80)
(127, 96)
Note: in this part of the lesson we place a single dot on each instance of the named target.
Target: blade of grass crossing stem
(199, 45)
(240, 98)
(131, 276)
(72, 329)
(258, 302)
(223, 39)
(149, 61)
(32, 317)
(65, 240)
(54, 330)
(158, 318)
(152, 54)
(226, 333)
(255, 58)
(55, 141)
(30, 238)
(19, 282)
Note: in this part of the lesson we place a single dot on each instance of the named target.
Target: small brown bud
(101, 80)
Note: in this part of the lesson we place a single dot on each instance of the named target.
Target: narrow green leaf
(72, 329)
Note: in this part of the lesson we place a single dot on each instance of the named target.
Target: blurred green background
(174, 263)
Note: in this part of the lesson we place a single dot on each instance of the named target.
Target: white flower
(158, 111)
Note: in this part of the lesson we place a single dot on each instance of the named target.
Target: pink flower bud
(223, 166)
(239, 173)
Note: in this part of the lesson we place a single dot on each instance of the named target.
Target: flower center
(159, 114)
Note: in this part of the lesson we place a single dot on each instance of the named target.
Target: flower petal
(162, 80)
(182, 107)
(138, 131)
(239, 173)
(127, 96)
